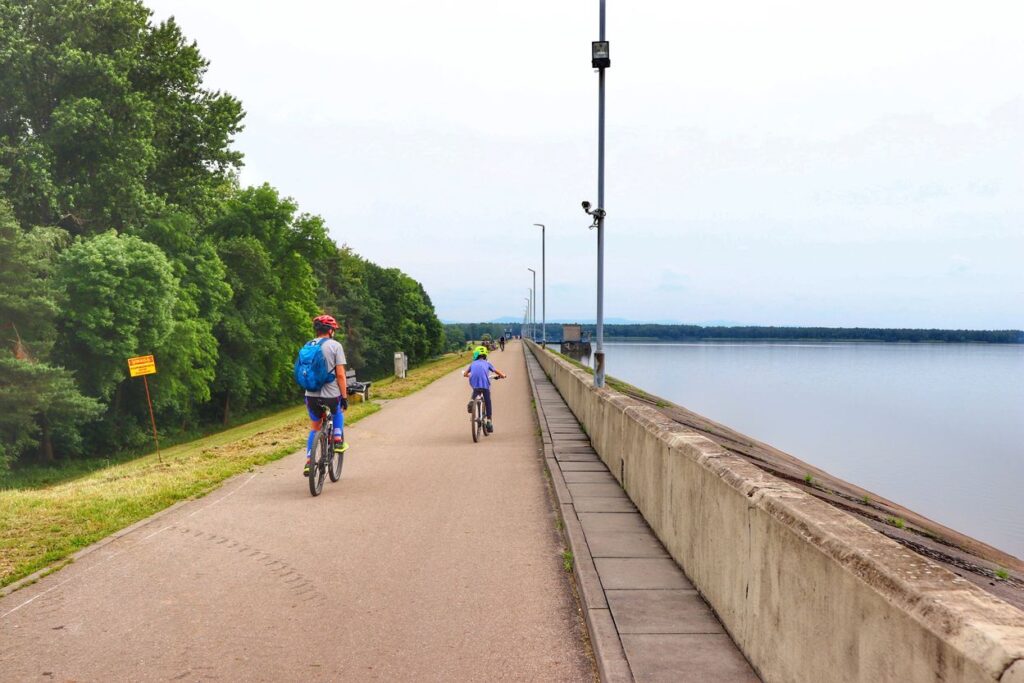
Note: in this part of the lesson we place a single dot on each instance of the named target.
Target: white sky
(768, 163)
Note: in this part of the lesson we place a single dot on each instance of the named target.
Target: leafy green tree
(189, 353)
(37, 400)
(268, 252)
(118, 294)
(103, 118)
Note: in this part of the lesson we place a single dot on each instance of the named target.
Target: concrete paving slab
(577, 477)
(661, 611)
(573, 447)
(576, 457)
(624, 544)
(640, 573)
(596, 490)
(584, 504)
(686, 658)
(582, 466)
(616, 521)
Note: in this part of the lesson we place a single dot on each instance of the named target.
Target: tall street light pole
(600, 59)
(526, 318)
(533, 310)
(543, 289)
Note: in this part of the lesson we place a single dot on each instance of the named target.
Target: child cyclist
(479, 374)
(333, 394)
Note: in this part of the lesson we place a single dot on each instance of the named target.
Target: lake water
(938, 428)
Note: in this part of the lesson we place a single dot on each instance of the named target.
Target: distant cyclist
(479, 374)
(501, 342)
(333, 393)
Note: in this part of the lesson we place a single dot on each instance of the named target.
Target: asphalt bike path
(432, 559)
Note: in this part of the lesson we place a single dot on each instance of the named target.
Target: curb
(604, 637)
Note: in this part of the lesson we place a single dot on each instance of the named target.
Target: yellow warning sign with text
(142, 365)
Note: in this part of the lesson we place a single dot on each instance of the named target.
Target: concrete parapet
(807, 592)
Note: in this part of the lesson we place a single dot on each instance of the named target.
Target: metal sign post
(141, 366)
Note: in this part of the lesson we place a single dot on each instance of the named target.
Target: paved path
(648, 622)
(432, 559)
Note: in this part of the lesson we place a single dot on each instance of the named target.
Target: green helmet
(479, 351)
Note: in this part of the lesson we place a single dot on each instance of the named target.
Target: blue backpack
(311, 368)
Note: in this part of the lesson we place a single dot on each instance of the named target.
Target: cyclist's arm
(339, 376)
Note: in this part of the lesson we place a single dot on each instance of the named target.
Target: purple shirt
(480, 374)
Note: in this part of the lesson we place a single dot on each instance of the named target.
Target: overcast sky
(768, 163)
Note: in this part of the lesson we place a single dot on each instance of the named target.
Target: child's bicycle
(478, 415)
(325, 460)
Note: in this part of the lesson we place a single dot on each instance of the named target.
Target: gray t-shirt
(334, 356)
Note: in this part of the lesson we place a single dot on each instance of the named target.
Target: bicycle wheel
(319, 468)
(334, 464)
(474, 420)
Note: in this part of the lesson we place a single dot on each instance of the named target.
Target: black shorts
(314, 403)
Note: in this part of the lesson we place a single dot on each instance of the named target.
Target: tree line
(456, 332)
(124, 231)
(762, 333)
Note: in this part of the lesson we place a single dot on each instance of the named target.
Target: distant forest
(699, 333)
(463, 331)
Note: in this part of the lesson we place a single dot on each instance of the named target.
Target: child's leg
(487, 401)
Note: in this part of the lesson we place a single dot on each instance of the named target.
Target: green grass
(1002, 574)
(897, 522)
(419, 377)
(48, 515)
(567, 560)
(616, 384)
(809, 480)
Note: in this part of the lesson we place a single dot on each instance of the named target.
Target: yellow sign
(141, 365)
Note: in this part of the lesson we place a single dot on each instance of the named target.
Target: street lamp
(533, 306)
(543, 290)
(600, 59)
(526, 317)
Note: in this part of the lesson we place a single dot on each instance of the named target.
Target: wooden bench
(355, 386)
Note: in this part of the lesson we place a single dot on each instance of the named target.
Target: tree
(118, 295)
(103, 118)
(268, 252)
(37, 399)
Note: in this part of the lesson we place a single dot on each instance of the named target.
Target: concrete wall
(808, 592)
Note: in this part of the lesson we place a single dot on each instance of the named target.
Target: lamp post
(543, 289)
(526, 317)
(600, 59)
(533, 309)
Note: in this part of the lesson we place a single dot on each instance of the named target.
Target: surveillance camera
(586, 206)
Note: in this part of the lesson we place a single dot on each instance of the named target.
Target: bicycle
(325, 460)
(478, 415)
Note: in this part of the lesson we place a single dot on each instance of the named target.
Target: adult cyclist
(501, 342)
(479, 374)
(333, 394)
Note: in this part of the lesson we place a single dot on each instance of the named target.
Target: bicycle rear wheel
(319, 465)
(474, 421)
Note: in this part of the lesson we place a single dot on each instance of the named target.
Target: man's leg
(314, 427)
(338, 419)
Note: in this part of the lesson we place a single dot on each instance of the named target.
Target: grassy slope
(40, 525)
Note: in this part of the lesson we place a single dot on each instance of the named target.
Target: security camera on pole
(599, 59)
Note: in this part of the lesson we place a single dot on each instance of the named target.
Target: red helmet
(325, 321)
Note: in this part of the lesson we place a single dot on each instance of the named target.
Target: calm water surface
(938, 428)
